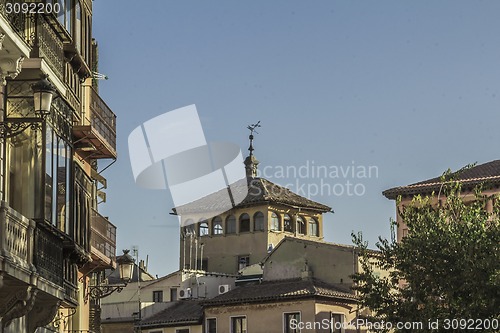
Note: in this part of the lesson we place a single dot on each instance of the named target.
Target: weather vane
(252, 130)
(253, 127)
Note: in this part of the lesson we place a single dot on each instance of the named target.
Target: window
(290, 320)
(244, 223)
(239, 324)
(217, 226)
(211, 325)
(82, 192)
(404, 232)
(231, 224)
(189, 228)
(158, 296)
(313, 227)
(202, 264)
(336, 320)
(243, 261)
(275, 222)
(62, 11)
(287, 221)
(258, 222)
(182, 330)
(173, 294)
(67, 16)
(203, 228)
(301, 225)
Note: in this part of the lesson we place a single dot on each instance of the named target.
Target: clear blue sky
(411, 87)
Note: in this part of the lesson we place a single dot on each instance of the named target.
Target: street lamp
(125, 268)
(43, 93)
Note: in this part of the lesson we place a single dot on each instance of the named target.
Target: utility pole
(135, 253)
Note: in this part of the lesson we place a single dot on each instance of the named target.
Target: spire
(251, 162)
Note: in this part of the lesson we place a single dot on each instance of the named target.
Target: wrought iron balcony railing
(48, 256)
(40, 32)
(96, 132)
(19, 22)
(70, 294)
(103, 236)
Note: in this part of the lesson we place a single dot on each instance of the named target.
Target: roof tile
(257, 191)
(483, 173)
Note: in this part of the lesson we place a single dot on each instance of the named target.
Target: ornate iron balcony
(48, 256)
(41, 34)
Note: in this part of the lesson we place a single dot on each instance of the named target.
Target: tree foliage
(447, 268)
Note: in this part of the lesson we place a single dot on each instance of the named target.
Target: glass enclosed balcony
(102, 240)
(96, 131)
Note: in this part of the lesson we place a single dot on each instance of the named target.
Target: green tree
(447, 268)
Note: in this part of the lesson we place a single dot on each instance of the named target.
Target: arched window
(189, 228)
(313, 227)
(231, 224)
(287, 223)
(217, 226)
(301, 225)
(275, 222)
(244, 222)
(258, 222)
(203, 228)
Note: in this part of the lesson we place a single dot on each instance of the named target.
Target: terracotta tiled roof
(281, 290)
(315, 243)
(488, 173)
(185, 312)
(258, 191)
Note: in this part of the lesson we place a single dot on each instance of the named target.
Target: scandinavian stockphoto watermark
(452, 325)
(170, 152)
(312, 179)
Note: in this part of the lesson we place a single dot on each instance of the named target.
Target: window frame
(247, 256)
(245, 220)
(309, 224)
(275, 217)
(217, 221)
(262, 223)
(231, 318)
(206, 324)
(285, 322)
(203, 225)
(231, 231)
(155, 294)
(173, 292)
(189, 227)
(332, 325)
(290, 219)
(301, 225)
